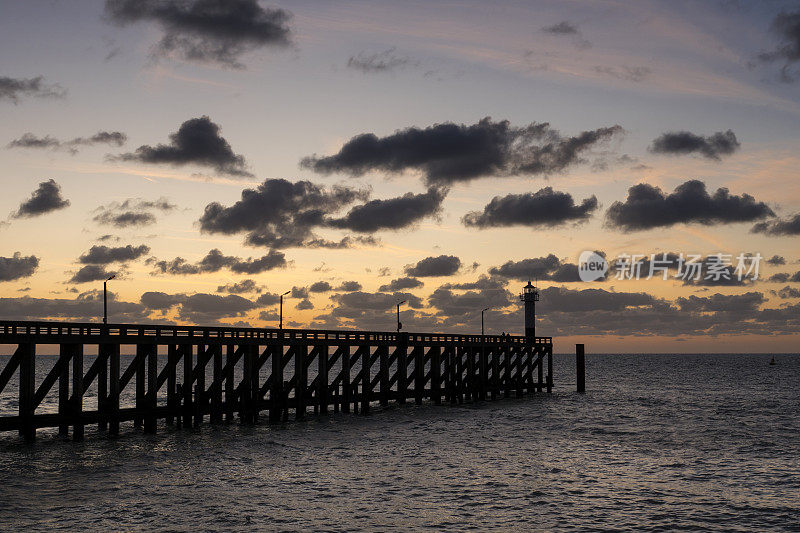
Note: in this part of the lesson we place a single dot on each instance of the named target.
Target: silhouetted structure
(230, 371)
(529, 296)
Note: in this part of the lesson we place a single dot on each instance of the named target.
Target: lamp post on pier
(105, 299)
(483, 311)
(280, 323)
(399, 324)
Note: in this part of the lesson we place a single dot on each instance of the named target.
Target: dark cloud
(560, 299)
(29, 140)
(544, 208)
(210, 31)
(625, 73)
(375, 301)
(374, 311)
(549, 268)
(201, 307)
(780, 277)
(132, 212)
(46, 198)
(17, 266)
(684, 142)
(304, 304)
(267, 299)
(279, 213)
(14, 88)
(244, 286)
(779, 227)
(92, 273)
(447, 153)
(717, 274)
(567, 29)
(453, 302)
(320, 286)
(648, 207)
(400, 284)
(482, 283)
(198, 142)
(264, 263)
(87, 306)
(268, 316)
(788, 292)
(160, 301)
(215, 261)
(786, 26)
(776, 260)
(443, 265)
(384, 61)
(349, 286)
(393, 213)
(198, 308)
(562, 28)
(738, 303)
(299, 292)
(103, 255)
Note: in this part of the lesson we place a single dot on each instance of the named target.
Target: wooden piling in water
(580, 368)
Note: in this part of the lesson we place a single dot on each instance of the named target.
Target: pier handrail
(90, 329)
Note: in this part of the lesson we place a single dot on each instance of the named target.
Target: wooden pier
(185, 375)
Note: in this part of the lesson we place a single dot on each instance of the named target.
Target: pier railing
(250, 371)
(45, 330)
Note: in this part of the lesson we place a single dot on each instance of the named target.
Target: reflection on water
(658, 442)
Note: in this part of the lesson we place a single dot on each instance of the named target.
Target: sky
(214, 154)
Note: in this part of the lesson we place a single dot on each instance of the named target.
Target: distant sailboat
(772, 361)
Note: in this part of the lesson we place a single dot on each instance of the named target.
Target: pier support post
(506, 367)
(301, 380)
(384, 370)
(322, 378)
(216, 393)
(276, 390)
(401, 370)
(27, 389)
(540, 369)
(449, 375)
(102, 387)
(200, 385)
(113, 390)
(418, 353)
(436, 375)
(550, 370)
(230, 355)
(483, 369)
(366, 380)
(580, 368)
(495, 355)
(471, 390)
(63, 391)
(76, 409)
(152, 389)
(530, 358)
(246, 394)
(172, 379)
(186, 387)
(141, 362)
(346, 387)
